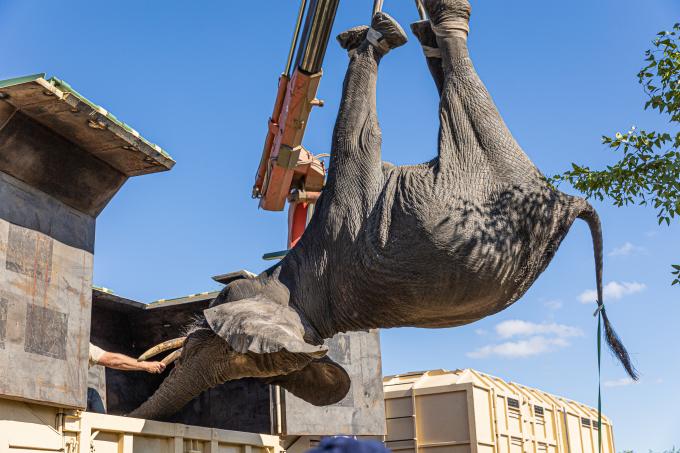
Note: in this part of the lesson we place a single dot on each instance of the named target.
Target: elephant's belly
(444, 278)
(425, 285)
(452, 261)
(446, 299)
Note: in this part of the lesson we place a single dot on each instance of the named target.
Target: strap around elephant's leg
(385, 33)
(428, 39)
(377, 39)
(458, 28)
(432, 52)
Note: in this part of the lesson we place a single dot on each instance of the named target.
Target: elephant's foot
(351, 39)
(449, 17)
(427, 38)
(384, 34)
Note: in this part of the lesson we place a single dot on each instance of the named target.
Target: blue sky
(200, 81)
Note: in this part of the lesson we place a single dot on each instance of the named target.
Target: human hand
(154, 367)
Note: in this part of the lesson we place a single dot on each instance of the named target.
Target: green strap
(599, 385)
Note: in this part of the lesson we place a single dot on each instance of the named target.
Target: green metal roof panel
(208, 295)
(55, 104)
(107, 296)
(20, 80)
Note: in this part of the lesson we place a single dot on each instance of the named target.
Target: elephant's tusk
(174, 355)
(170, 344)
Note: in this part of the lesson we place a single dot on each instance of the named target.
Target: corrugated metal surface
(466, 411)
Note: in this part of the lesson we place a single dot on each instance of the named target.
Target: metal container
(62, 159)
(29, 428)
(466, 411)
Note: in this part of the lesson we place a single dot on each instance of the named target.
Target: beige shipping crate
(466, 411)
(32, 428)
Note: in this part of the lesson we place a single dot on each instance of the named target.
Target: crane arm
(285, 165)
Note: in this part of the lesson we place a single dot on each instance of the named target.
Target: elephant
(440, 244)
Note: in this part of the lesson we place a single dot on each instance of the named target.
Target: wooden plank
(213, 447)
(179, 444)
(436, 390)
(472, 419)
(125, 443)
(60, 109)
(4, 443)
(67, 172)
(84, 436)
(416, 446)
(494, 418)
(444, 444)
(152, 428)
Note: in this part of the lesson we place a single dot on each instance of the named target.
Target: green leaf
(646, 168)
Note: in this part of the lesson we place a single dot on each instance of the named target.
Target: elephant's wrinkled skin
(439, 244)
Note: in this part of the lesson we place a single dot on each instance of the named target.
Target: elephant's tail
(613, 341)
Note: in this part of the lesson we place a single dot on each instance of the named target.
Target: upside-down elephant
(440, 244)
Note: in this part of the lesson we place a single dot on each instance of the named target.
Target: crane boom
(288, 171)
(285, 165)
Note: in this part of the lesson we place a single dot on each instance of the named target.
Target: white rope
(432, 52)
(453, 27)
(375, 38)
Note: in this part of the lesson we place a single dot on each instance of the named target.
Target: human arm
(125, 363)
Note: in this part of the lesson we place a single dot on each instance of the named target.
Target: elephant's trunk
(201, 366)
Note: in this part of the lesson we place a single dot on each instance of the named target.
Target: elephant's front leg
(355, 171)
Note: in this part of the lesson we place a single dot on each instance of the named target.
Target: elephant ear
(322, 382)
(261, 326)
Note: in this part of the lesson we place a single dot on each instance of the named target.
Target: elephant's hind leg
(473, 133)
(433, 55)
(355, 168)
(448, 23)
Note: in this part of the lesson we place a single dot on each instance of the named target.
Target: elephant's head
(249, 337)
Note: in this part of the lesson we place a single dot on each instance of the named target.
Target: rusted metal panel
(45, 299)
(362, 411)
(21, 205)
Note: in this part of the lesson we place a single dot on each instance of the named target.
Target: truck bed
(33, 428)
